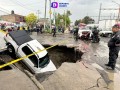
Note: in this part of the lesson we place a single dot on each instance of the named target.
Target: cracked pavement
(96, 54)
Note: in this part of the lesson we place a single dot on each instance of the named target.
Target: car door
(32, 61)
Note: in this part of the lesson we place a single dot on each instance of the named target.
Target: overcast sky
(78, 8)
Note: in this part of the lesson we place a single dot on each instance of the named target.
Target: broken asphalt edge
(32, 77)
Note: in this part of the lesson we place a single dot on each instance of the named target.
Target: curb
(40, 87)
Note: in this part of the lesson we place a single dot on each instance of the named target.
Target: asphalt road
(96, 54)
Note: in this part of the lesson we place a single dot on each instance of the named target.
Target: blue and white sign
(56, 4)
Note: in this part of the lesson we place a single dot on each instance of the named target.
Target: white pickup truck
(19, 43)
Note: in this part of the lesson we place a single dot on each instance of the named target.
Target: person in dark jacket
(114, 47)
(76, 29)
(54, 31)
(95, 35)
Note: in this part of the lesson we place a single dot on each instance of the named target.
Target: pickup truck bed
(20, 36)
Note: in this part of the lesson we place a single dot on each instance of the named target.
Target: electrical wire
(29, 4)
(21, 5)
(6, 11)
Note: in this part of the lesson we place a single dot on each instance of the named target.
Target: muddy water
(60, 54)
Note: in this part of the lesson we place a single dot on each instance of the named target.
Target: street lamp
(119, 9)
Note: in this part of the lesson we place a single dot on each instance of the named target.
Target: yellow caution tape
(19, 59)
(3, 31)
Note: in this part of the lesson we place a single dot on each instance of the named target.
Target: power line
(23, 4)
(109, 9)
(6, 11)
(20, 4)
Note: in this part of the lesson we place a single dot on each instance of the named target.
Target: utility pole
(118, 11)
(38, 12)
(54, 15)
(65, 18)
(45, 14)
(114, 16)
(99, 13)
(50, 12)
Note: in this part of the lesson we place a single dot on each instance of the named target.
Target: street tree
(31, 19)
(77, 22)
(61, 19)
(87, 20)
(68, 13)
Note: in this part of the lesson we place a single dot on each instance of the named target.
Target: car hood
(48, 68)
(36, 46)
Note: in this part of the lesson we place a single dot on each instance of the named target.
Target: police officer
(114, 47)
(76, 29)
(54, 30)
(95, 36)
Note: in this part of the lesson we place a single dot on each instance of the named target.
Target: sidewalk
(15, 80)
(75, 76)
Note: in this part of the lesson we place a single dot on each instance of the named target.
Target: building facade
(14, 18)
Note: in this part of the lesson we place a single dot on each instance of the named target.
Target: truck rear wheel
(10, 49)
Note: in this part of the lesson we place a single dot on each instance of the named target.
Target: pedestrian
(54, 31)
(18, 28)
(12, 28)
(9, 30)
(95, 35)
(28, 29)
(63, 29)
(59, 28)
(41, 28)
(114, 47)
(76, 29)
(23, 28)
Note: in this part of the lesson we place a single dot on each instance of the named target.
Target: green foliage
(31, 19)
(77, 22)
(85, 20)
(61, 18)
(68, 13)
(88, 20)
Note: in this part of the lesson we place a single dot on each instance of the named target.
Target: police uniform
(114, 47)
(95, 35)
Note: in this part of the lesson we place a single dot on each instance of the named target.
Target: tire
(11, 49)
(109, 35)
(102, 35)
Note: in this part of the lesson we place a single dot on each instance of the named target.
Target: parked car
(19, 43)
(84, 33)
(106, 33)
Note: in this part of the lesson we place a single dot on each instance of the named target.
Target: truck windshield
(34, 59)
(44, 61)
